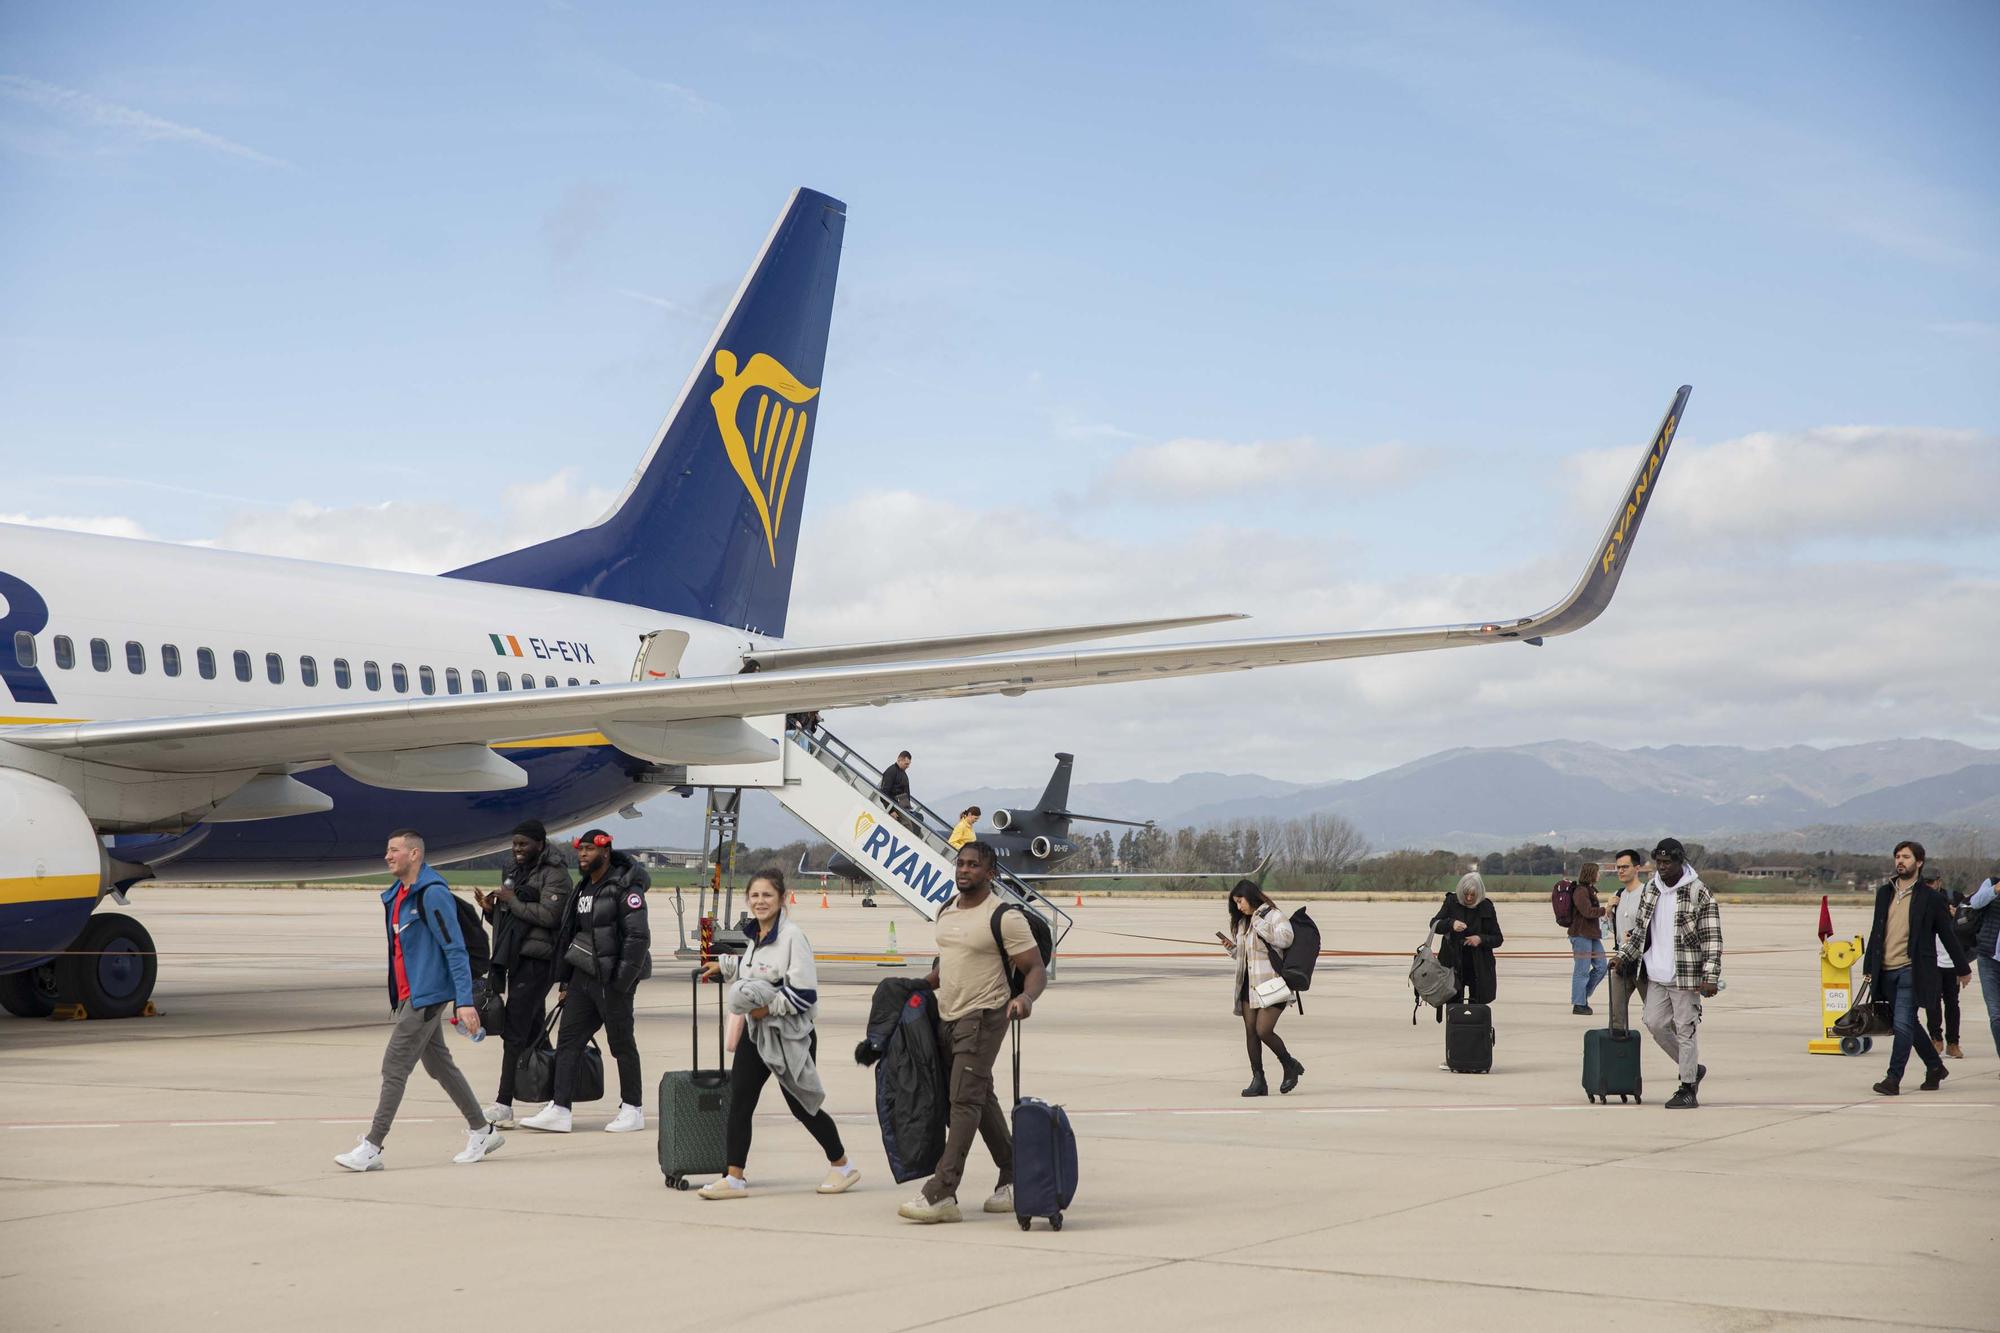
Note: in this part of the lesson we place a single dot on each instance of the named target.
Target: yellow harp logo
(765, 460)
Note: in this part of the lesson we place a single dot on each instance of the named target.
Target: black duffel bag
(535, 1075)
(1865, 1017)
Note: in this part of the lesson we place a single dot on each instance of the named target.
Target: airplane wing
(432, 742)
(1002, 641)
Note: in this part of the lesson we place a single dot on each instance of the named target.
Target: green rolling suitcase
(694, 1108)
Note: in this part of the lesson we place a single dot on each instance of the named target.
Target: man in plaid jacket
(1678, 941)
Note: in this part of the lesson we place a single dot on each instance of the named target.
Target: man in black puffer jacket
(526, 911)
(603, 952)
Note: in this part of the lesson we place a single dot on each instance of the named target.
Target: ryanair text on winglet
(1638, 500)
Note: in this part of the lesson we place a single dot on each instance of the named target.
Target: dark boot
(1889, 1087)
(1257, 1087)
(1291, 1080)
(1934, 1078)
(1683, 1099)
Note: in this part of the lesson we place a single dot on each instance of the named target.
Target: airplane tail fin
(708, 526)
(1056, 795)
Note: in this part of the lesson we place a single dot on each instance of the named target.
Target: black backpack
(1301, 956)
(1045, 942)
(478, 949)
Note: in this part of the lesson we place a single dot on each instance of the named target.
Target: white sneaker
(551, 1118)
(364, 1156)
(1002, 1200)
(478, 1143)
(500, 1115)
(628, 1119)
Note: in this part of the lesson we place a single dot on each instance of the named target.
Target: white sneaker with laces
(500, 1115)
(551, 1119)
(1002, 1200)
(364, 1156)
(628, 1119)
(478, 1143)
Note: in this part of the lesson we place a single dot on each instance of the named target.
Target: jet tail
(708, 526)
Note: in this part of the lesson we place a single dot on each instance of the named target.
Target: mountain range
(1565, 792)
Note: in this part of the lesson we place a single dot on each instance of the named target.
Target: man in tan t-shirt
(976, 1002)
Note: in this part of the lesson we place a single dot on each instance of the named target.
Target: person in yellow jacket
(963, 833)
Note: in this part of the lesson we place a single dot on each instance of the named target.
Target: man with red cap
(603, 952)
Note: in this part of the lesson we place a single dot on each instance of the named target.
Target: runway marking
(216, 1124)
(101, 1126)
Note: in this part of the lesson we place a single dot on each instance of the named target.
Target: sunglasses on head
(595, 840)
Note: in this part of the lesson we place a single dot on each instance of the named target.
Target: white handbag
(1273, 989)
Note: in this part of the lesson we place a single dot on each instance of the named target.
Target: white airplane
(177, 713)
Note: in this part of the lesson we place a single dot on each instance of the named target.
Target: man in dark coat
(1912, 921)
(1471, 931)
(525, 911)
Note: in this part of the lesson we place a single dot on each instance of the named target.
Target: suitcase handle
(1016, 1026)
(694, 1025)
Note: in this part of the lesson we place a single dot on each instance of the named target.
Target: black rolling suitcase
(1044, 1154)
(694, 1107)
(1611, 1065)
(1468, 1038)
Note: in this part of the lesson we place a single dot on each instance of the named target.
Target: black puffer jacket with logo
(604, 937)
(527, 926)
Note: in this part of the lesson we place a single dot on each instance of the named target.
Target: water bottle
(475, 1036)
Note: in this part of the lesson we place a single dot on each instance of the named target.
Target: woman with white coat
(775, 986)
(1256, 928)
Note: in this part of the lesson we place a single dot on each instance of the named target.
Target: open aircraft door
(660, 655)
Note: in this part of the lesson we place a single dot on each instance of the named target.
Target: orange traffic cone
(1079, 900)
(795, 899)
(824, 904)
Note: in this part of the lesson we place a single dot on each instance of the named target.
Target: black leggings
(1260, 1029)
(746, 1083)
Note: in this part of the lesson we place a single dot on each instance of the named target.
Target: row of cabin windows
(26, 653)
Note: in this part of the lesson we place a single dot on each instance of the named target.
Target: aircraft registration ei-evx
(179, 713)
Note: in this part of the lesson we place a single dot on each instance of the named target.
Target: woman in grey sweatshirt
(775, 986)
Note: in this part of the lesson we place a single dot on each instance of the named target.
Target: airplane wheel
(29, 994)
(110, 968)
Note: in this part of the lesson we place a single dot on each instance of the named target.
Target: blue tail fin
(709, 524)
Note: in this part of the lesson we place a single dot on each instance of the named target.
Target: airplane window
(372, 674)
(65, 652)
(527, 681)
(427, 680)
(479, 682)
(274, 667)
(342, 675)
(135, 657)
(24, 648)
(595, 681)
(451, 681)
(100, 655)
(504, 681)
(550, 681)
(204, 661)
(572, 682)
(242, 660)
(399, 675)
(308, 671)
(170, 659)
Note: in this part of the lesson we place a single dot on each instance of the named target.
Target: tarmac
(176, 1172)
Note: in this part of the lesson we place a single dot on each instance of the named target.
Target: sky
(1342, 316)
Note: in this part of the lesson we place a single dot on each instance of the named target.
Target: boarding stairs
(834, 789)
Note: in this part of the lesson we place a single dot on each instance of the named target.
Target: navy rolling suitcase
(1611, 1065)
(1468, 1038)
(1044, 1155)
(694, 1108)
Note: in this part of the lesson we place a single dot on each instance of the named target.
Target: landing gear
(110, 969)
(30, 994)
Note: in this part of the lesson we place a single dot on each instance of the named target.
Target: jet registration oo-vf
(178, 713)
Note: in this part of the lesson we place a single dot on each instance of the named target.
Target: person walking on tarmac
(970, 980)
(1255, 929)
(776, 987)
(428, 974)
(526, 911)
(1901, 964)
(1471, 932)
(603, 952)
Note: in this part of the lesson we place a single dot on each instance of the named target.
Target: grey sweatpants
(1622, 987)
(1673, 1013)
(419, 1035)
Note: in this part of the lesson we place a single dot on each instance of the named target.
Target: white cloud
(125, 120)
(1195, 469)
(1846, 482)
(102, 525)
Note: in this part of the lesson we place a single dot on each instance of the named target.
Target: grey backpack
(1432, 982)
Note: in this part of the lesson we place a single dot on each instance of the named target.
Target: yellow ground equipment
(1836, 996)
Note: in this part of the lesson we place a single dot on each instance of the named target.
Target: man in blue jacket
(428, 974)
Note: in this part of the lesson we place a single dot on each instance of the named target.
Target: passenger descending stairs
(832, 788)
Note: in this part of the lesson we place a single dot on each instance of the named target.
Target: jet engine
(1002, 819)
(1040, 848)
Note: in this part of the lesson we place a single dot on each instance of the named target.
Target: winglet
(1600, 579)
